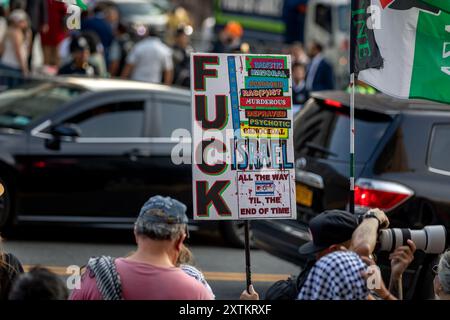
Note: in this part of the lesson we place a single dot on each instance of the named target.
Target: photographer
(337, 230)
(364, 240)
(351, 279)
(331, 231)
(442, 277)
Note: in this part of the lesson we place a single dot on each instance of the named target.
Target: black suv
(402, 167)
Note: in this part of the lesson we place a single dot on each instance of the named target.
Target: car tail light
(380, 194)
(332, 103)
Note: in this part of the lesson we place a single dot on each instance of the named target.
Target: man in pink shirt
(150, 272)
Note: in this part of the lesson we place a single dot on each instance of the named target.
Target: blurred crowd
(103, 47)
(106, 47)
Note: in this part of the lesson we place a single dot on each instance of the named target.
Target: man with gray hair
(442, 277)
(150, 272)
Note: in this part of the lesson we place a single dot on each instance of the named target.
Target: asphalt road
(224, 267)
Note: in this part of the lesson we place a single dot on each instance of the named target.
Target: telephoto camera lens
(431, 239)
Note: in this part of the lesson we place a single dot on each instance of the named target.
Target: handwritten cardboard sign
(243, 159)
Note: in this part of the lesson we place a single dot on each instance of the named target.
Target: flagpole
(352, 145)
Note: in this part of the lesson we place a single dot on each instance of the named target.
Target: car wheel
(5, 205)
(234, 233)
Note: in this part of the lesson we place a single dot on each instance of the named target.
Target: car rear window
(439, 155)
(324, 132)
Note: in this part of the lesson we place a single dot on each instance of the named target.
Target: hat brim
(310, 248)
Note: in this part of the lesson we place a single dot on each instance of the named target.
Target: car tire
(5, 207)
(233, 233)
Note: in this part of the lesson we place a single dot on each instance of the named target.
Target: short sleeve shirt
(142, 281)
(150, 59)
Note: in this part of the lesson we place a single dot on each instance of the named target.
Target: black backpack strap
(106, 277)
(301, 279)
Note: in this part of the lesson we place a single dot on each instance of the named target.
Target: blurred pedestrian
(96, 56)
(79, 49)
(14, 61)
(298, 53)
(150, 273)
(10, 268)
(150, 61)
(112, 17)
(177, 17)
(3, 27)
(299, 94)
(320, 75)
(229, 38)
(64, 48)
(52, 38)
(182, 51)
(39, 284)
(38, 13)
(120, 49)
(442, 277)
(99, 24)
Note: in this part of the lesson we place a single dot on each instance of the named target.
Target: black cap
(79, 44)
(329, 228)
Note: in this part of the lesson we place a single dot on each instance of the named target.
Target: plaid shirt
(336, 276)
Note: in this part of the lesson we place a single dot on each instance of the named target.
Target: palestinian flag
(412, 37)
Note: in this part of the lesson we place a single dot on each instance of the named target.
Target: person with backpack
(150, 273)
(342, 275)
(337, 230)
(330, 231)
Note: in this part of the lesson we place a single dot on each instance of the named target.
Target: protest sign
(243, 160)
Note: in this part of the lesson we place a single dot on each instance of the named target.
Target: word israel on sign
(242, 137)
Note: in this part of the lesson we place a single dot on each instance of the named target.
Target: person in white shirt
(151, 61)
(17, 42)
(3, 27)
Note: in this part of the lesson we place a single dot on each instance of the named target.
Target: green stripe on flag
(444, 5)
(431, 68)
(82, 5)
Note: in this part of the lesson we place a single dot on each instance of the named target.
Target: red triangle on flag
(385, 3)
